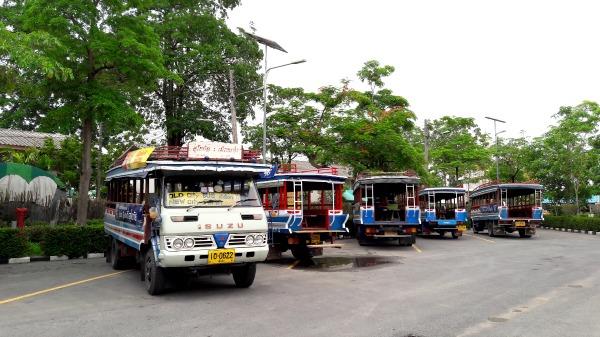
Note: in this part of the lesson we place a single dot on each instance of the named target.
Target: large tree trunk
(86, 171)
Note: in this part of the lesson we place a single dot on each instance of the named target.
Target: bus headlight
(258, 240)
(249, 240)
(189, 243)
(178, 243)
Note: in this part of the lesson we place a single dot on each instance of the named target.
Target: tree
(566, 157)
(297, 124)
(513, 156)
(458, 147)
(373, 74)
(113, 56)
(199, 50)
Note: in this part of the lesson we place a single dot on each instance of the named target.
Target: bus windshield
(200, 191)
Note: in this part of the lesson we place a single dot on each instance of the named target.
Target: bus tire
(116, 260)
(108, 248)
(244, 276)
(154, 277)
(523, 233)
(491, 229)
(454, 234)
(301, 252)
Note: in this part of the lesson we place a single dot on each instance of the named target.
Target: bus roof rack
(293, 168)
(181, 153)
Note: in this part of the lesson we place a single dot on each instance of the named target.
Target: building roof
(20, 139)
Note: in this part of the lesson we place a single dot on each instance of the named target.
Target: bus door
(537, 212)
(367, 205)
(412, 211)
(297, 205)
(503, 204)
(430, 211)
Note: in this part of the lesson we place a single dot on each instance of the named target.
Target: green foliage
(112, 54)
(365, 130)
(34, 249)
(297, 124)
(457, 144)
(573, 222)
(373, 74)
(199, 50)
(513, 158)
(73, 240)
(14, 243)
(566, 159)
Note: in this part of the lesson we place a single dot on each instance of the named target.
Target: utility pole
(496, 138)
(234, 131)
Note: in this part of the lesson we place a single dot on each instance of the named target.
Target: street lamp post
(264, 145)
(496, 141)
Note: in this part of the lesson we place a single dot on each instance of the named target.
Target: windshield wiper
(240, 201)
(203, 202)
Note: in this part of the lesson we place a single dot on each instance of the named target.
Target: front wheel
(154, 276)
(244, 276)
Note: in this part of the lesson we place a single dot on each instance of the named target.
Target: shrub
(74, 241)
(573, 222)
(13, 243)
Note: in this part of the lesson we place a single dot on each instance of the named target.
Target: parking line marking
(291, 266)
(477, 237)
(40, 292)
(417, 248)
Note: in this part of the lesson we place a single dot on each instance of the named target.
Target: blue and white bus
(443, 211)
(304, 209)
(385, 207)
(502, 208)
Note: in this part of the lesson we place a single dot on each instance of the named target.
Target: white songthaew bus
(186, 210)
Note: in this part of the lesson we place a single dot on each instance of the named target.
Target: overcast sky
(514, 60)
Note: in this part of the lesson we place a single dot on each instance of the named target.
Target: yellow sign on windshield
(202, 199)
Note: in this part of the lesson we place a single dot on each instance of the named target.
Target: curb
(570, 230)
(15, 260)
(28, 259)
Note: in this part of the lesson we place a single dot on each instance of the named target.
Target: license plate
(219, 256)
(520, 223)
(390, 232)
(315, 239)
(462, 228)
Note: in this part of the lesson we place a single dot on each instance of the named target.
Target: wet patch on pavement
(497, 319)
(338, 263)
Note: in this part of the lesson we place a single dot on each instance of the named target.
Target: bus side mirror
(153, 213)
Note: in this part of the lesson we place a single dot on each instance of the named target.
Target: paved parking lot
(474, 286)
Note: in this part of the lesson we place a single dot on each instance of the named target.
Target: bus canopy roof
(188, 166)
(453, 190)
(484, 189)
(386, 179)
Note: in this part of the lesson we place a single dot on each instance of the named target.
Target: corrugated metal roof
(24, 139)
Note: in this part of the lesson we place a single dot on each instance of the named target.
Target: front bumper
(168, 259)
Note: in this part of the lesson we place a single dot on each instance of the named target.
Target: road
(474, 286)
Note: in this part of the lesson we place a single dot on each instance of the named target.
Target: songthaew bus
(304, 209)
(506, 208)
(385, 207)
(181, 211)
(443, 211)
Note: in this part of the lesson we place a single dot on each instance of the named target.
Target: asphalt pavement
(548, 285)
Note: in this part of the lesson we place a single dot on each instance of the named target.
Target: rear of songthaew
(502, 208)
(385, 207)
(186, 211)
